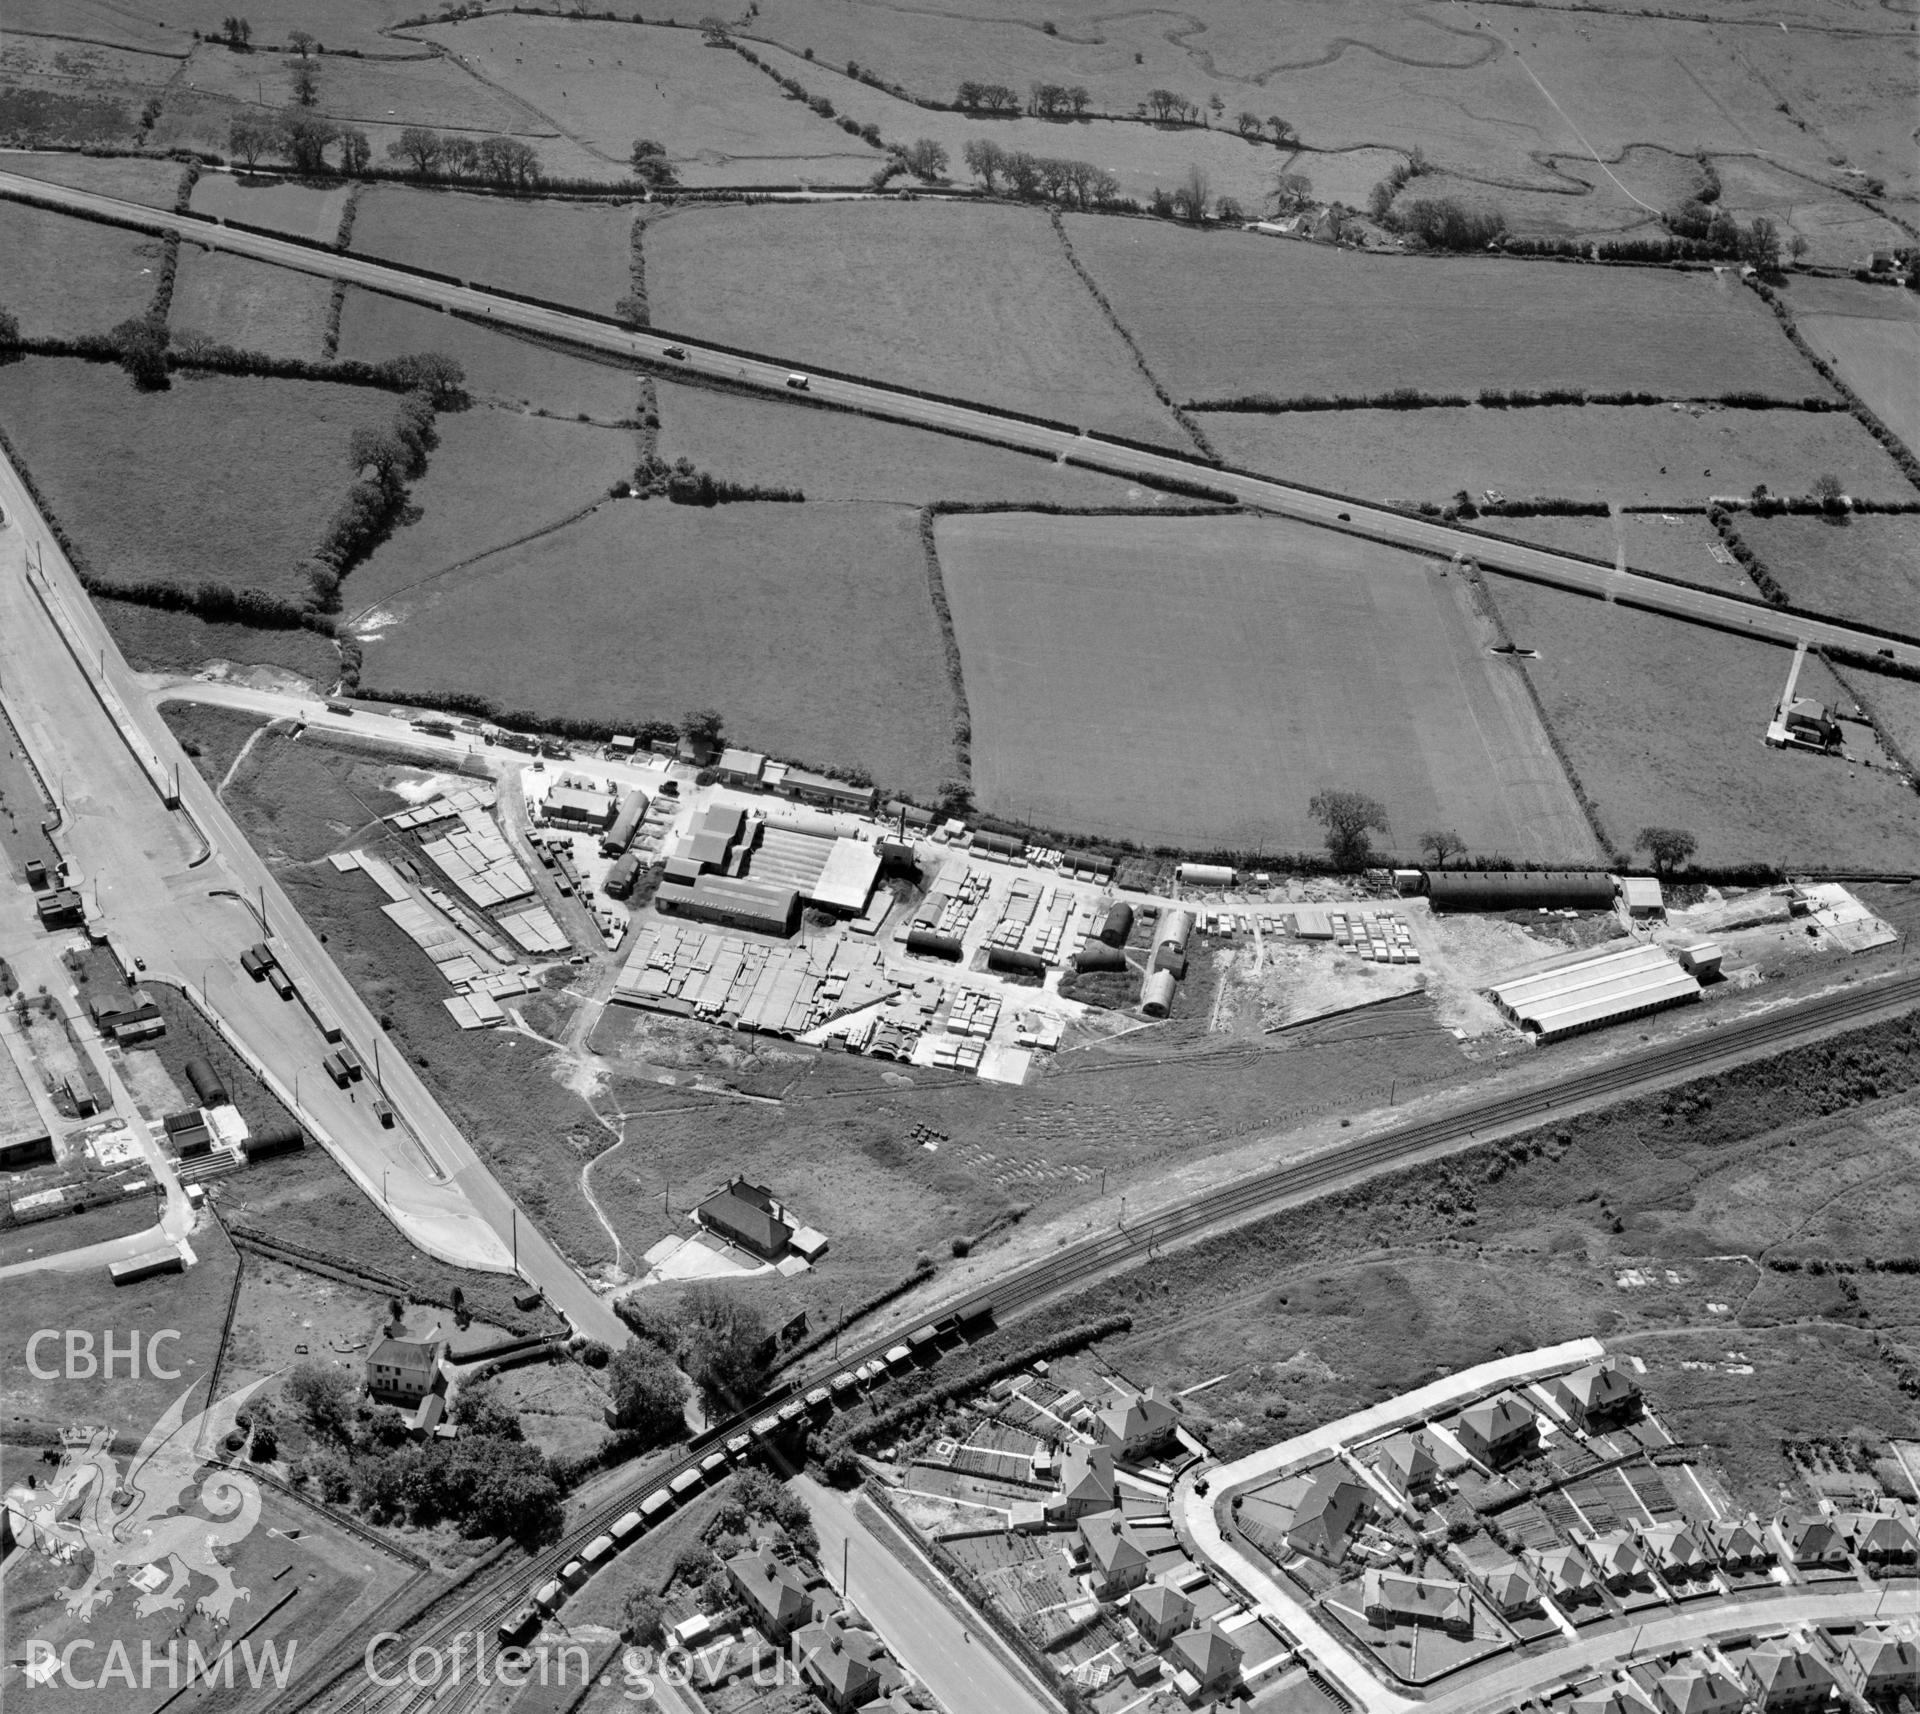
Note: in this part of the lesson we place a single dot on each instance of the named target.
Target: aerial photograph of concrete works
(993, 860)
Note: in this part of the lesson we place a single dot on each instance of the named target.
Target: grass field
(810, 627)
(1223, 314)
(129, 473)
(156, 183)
(836, 455)
(1630, 455)
(721, 121)
(156, 641)
(496, 477)
(1896, 702)
(305, 210)
(570, 253)
(498, 365)
(299, 800)
(66, 277)
(1879, 358)
(1866, 569)
(350, 23)
(977, 303)
(1200, 680)
(211, 735)
(1665, 722)
(253, 305)
(1672, 544)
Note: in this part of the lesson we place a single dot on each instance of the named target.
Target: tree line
(302, 141)
(1040, 178)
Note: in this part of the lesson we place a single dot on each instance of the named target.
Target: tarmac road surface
(1703, 606)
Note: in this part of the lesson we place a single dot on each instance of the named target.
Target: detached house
(1597, 1397)
(1161, 1612)
(1117, 1560)
(1497, 1431)
(404, 1371)
(1206, 1657)
(772, 1592)
(1086, 1484)
(1782, 1678)
(1390, 1598)
(1139, 1428)
(1332, 1508)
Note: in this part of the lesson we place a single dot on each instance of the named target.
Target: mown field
(497, 477)
(304, 210)
(1224, 314)
(129, 474)
(1197, 681)
(810, 628)
(570, 253)
(253, 305)
(836, 455)
(1629, 455)
(720, 121)
(157, 641)
(66, 277)
(978, 303)
(499, 366)
(1673, 544)
(1664, 723)
(1867, 568)
(156, 183)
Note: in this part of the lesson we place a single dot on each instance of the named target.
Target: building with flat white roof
(1591, 993)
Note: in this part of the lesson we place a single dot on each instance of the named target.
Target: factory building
(1520, 889)
(809, 787)
(572, 802)
(731, 903)
(1591, 993)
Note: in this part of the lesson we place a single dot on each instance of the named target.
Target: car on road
(677, 352)
(799, 383)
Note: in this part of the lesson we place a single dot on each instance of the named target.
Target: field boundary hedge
(1494, 399)
(950, 649)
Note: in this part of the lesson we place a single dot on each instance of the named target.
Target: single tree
(1348, 818)
(461, 157)
(649, 1393)
(650, 165)
(306, 81)
(1291, 192)
(418, 147)
(728, 1348)
(483, 1411)
(643, 1620)
(1439, 845)
(248, 139)
(1192, 196)
(356, 151)
(701, 727)
(1760, 244)
(140, 346)
(1830, 492)
(1668, 846)
(1283, 132)
(301, 42)
(1228, 209)
(324, 1398)
(715, 30)
(985, 160)
(1799, 246)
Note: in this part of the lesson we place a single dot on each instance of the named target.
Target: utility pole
(516, 1240)
(846, 1556)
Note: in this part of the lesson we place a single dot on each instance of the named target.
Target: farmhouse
(1590, 993)
(747, 1215)
(404, 1371)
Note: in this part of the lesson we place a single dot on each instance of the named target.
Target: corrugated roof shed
(1592, 992)
(846, 883)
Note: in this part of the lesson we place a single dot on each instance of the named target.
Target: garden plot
(1627, 455)
(1199, 680)
(1226, 314)
(253, 305)
(974, 303)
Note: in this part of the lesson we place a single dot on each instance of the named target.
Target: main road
(186, 893)
(1054, 440)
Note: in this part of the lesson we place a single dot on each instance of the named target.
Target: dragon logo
(140, 1525)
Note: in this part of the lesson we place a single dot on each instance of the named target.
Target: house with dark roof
(836, 1663)
(1410, 1462)
(1497, 1430)
(773, 1593)
(1390, 1598)
(1207, 1656)
(1882, 1666)
(1878, 1538)
(1694, 1689)
(746, 1214)
(1138, 1428)
(1783, 1678)
(1114, 1555)
(1333, 1507)
(404, 1371)
(1086, 1483)
(1810, 1541)
(1597, 1397)
(1160, 1611)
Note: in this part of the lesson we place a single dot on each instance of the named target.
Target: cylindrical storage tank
(1098, 955)
(1206, 875)
(804, 821)
(928, 944)
(1004, 843)
(1118, 927)
(1009, 960)
(1156, 993)
(212, 1092)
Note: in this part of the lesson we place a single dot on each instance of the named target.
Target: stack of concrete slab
(750, 984)
(477, 859)
(534, 928)
(460, 801)
(474, 1011)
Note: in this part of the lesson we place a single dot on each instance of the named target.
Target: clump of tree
(1051, 100)
(1040, 178)
(1381, 198)
(305, 78)
(716, 1336)
(1169, 107)
(1191, 198)
(386, 461)
(1446, 223)
(987, 98)
(649, 1391)
(650, 165)
(1669, 847)
(237, 33)
(503, 161)
(139, 346)
(1717, 233)
(1291, 192)
(299, 139)
(1348, 818)
(925, 158)
(685, 485)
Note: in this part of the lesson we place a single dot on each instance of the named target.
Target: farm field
(976, 303)
(1879, 358)
(838, 455)
(569, 253)
(1201, 679)
(811, 628)
(496, 477)
(350, 23)
(1896, 703)
(1866, 569)
(721, 121)
(1629, 455)
(154, 182)
(66, 277)
(1673, 544)
(1665, 723)
(499, 366)
(1210, 310)
(303, 210)
(155, 640)
(254, 305)
(127, 473)
(73, 93)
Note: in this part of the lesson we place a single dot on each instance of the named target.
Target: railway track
(496, 1594)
